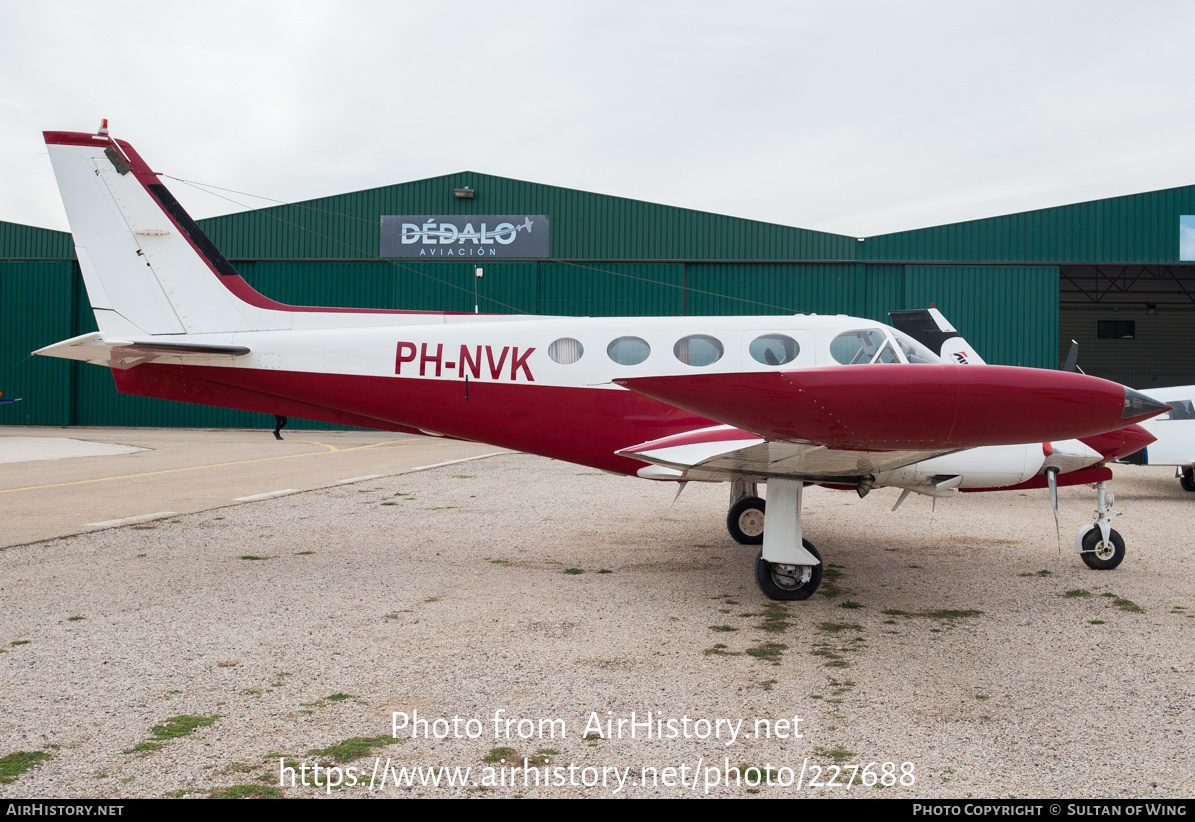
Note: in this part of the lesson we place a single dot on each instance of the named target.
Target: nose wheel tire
(1187, 480)
(745, 521)
(1100, 555)
(789, 582)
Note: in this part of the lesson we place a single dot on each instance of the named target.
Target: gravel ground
(305, 621)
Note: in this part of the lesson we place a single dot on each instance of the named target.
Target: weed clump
(352, 748)
(15, 764)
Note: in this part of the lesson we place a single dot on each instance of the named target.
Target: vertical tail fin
(148, 268)
(930, 328)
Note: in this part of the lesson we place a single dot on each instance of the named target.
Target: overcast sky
(853, 117)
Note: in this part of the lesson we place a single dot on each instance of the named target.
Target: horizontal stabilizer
(94, 348)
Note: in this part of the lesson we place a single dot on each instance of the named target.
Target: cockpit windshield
(870, 346)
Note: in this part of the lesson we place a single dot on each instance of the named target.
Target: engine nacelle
(993, 466)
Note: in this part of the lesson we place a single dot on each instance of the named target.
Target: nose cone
(1139, 407)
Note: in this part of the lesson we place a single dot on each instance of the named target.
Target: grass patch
(573, 571)
(339, 697)
(542, 756)
(499, 561)
(829, 586)
(253, 557)
(718, 650)
(172, 728)
(1126, 604)
(143, 746)
(182, 725)
(767, 650)
(246, 792)
(775, 618)
(759, 775)
(1095, 622)
(352, 748)
(605, 571)
(17, 642)
(1079, 592)
(850, 604)
(1044, 573)
(942, 613)
(500, 755)
(837, 755)
(16, 764)
(835, 627)
(75, 618)
(722, 628)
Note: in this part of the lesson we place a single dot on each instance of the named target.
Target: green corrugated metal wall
(1134, 229)
(611, 256)
(584, 226)
(37, 310)
(1025, 329)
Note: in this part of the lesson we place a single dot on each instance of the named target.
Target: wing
(841, 424)
(722, 452)
(905, 407)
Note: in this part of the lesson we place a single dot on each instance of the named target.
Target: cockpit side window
(860, 347)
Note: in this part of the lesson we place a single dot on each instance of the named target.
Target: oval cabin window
(566, 351)
(698, 349)
(628, 350)
(774, 349)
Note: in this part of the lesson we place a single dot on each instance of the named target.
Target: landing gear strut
(788, 567)
(1098, 544)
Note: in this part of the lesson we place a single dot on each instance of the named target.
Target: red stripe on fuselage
(581, 425)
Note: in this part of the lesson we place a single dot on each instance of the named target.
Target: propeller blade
(1052, 479)
(1072, 359)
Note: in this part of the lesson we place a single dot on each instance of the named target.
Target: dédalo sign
(485, 235)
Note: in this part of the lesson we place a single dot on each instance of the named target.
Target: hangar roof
(1131, 229)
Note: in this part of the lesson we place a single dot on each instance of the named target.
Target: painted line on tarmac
(390, 443)
(454, 462)
(112, 523)
(357, 479)
(267, 495)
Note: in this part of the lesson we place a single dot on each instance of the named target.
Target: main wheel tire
(745, 521)
(1100, 555)
(1187, 479)
(778, 583)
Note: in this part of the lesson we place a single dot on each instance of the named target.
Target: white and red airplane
(788, 401)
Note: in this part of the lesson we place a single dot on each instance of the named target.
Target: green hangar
(1116, 275)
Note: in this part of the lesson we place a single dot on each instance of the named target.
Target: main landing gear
(788, 567)
(1187, 479)
(1098, 544)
